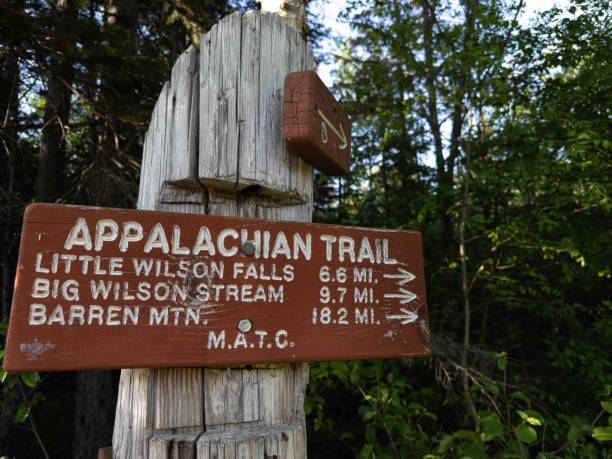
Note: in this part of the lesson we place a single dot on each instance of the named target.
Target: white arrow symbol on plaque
(407, 317)
(405, 296)
(340, 134)
(404, 275)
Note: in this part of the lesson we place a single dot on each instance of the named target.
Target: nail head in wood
(248, 249)
(245, 325)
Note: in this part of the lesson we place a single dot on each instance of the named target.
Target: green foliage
(604, 433)
(488, 134)
(11, 382)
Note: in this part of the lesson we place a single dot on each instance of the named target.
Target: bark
(95, 412)
(9, 85)
(96, 393)
(444, 168)
(9, 82)
(50, 181)
(459, 111)
(464, 286)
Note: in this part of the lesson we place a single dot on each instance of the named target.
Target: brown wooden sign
(314, 124)
(111, 288)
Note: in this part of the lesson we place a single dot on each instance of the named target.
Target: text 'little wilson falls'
(110, 288)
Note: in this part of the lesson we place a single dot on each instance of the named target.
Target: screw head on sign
(245, 325)
(248, 249)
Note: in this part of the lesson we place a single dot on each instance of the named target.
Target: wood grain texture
(243, 63)
(170, 148)
(282, 441)
(235, 119)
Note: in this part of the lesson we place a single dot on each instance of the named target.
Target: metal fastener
(248, 249)
(245, 325)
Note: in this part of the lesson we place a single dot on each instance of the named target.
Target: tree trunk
(50, 181)
(9, 86)
(95, 402)
(444, 168)
(96, 390)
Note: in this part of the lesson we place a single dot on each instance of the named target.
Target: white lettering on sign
(340, 133)
(79, 235)
(224, 234)
(267, 245)
(132, 232)
(107, 230)
(165, 277)
(77, 314)
(323, 132)
(346, 249)
(157, 239)
(257, 340)
(226, 242)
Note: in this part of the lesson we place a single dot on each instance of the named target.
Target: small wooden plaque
(112, 288)
(314, 124)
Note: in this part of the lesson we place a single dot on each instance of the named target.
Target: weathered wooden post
(214, 146)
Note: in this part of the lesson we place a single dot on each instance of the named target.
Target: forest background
(488, 135)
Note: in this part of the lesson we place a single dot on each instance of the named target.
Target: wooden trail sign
(111, 288)
(315, 125)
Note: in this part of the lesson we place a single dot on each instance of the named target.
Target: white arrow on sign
(406, 317)
(340, 134)
(403, 275)
(405, 296)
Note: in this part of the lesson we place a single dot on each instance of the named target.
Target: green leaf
(492, 388)
(607, 405)
(578, 427)
(3, 328)
(370, 434)
(471, 450)
(514, 449)
(365, 412)
(526, 434)
(521, 396)
(3, 375)
(445, 443)
(491, 424)
(502, 360)
(466, 434)
(38, 397)
(30, 378)
(339, 369)
(23, 411)
(12, 379)
(533, 421)
(493, 428)
(602, 433)
(522, 414)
